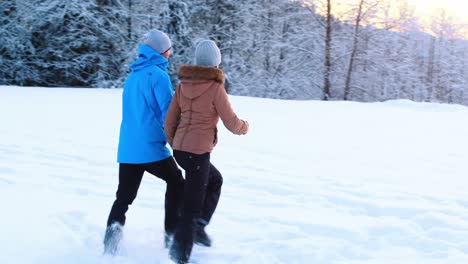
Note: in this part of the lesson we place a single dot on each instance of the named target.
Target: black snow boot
(178, 253)
(201, 237)
(168, 239)
(182, 243)
(112, 239)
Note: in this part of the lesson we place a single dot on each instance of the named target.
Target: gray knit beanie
(207, 54)
(158, 41)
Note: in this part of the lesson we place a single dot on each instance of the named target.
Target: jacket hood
(148, 57)
(196, 72)
(196, 80)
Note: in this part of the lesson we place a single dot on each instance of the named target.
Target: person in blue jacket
(146, 97)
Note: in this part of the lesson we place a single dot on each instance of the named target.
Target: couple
(152, 115)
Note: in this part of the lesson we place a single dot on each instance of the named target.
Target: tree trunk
(129, 21)
(326, 82)
(353, 52)
(430, 70)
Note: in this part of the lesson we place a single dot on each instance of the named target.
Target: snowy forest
(373, 50)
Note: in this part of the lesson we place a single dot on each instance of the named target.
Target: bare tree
(357, 26)
(327, 70)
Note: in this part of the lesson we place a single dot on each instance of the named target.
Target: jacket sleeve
(163, 93)
(172, 118)
(227, 115)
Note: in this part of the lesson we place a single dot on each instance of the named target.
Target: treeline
(271, 48)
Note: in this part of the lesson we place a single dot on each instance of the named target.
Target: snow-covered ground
(313, 182)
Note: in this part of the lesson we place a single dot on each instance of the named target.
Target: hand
(246, 127)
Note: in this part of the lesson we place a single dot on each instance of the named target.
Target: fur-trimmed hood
(196, 72)
(196, 80)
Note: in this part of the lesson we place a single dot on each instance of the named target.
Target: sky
(455, 11)
(454, 8)
(424, 11)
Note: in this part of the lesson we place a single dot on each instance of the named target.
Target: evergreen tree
(78, 43)
(16, 51)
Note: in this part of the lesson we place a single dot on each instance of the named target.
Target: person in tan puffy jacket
(190, 125)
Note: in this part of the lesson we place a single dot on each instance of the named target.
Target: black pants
(130, 176)
(201, 195)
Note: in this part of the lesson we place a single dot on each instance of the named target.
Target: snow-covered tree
(16, 52)
(368, 50)
(176, 23)
(78, 43)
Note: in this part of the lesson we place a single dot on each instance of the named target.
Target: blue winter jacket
(146, 97)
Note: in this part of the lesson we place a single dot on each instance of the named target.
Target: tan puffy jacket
(198, 103)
